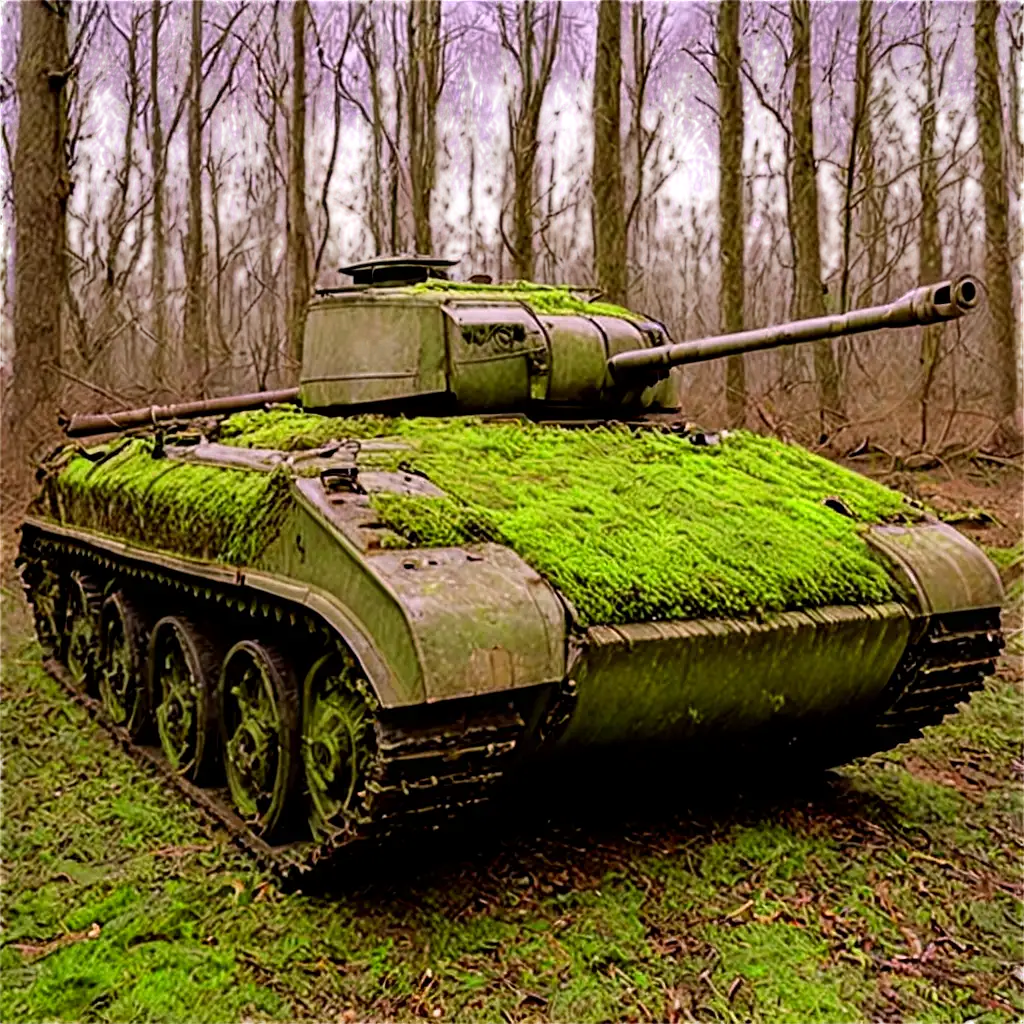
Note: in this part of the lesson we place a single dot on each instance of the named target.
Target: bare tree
(42, 185)
(195, 290)
(424, 81)
(929, 244)
(808, 300)
(530, 36)
(298, 226)
(989, 113)
(730, 199)
(158, 156)
(609, 224)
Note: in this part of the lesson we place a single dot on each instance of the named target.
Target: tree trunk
(41, 185)
(424, 92)
(609, 196)
(809, 300)
(730, 200)
(930, 245)
(196, 354)
(989, 111)
(872, 227)
(158, 159)
(297, 228)
(534, 53)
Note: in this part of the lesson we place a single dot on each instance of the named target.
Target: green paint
(630, 526)
(224, 514)
(546, 300)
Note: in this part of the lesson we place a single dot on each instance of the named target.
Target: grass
(890, 892)
(630, 526)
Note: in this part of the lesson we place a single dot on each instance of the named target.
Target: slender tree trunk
(297, 228)
(871, 219)
(809, 299)
(609, 195)
(424, 91)
(196, 354)
(41, 184)
(930, 246)
(158, 159)
(998, 280)
(534, 53)
(730, 200)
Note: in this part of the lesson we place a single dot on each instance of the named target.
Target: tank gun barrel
(928, 304)
(82, 425)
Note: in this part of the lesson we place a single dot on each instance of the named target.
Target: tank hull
(463, 664)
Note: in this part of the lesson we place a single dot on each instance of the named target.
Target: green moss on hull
(630, 526)
(226, 515)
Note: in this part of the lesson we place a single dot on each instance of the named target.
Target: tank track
(939, 670)
(433, 763)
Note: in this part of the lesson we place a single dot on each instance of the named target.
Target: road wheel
(338, 744)
(183, 667)
(259, 730)
(82, 632)
(122, 677)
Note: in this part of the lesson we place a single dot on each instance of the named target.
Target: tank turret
(405, 338)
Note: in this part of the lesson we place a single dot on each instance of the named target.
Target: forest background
(181, 175)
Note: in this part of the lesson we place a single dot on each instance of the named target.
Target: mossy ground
(890, 893)
(208, 512)
(630, 525)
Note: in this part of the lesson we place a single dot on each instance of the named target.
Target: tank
(478, 537)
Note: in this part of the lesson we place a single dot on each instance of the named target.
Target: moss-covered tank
(478, 535)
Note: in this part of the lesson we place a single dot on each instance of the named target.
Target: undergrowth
(630, 525)
(890, 893)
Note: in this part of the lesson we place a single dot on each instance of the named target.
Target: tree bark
(989, 113)
(297, 227)
(158, 160)
(41, 185)
(534, 54)
(872, 227)
(930, 245)
(809, 300)
(423, 90)
(196, 349)
(609, 224)
(730, 200)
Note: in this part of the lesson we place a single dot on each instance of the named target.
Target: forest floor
(888, 891)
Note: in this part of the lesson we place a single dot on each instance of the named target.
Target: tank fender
(937, 569)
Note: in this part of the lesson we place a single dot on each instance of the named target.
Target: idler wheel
(49, 600)
(338, 744)
(183, 669)
(259, 731)
(123, 665)
(82, 631)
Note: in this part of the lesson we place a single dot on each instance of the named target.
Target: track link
(938, 671)
(432, 763)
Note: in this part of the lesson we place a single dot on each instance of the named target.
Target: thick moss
(631, 526)
(228, 515)
(287, 428)
(550, 300)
